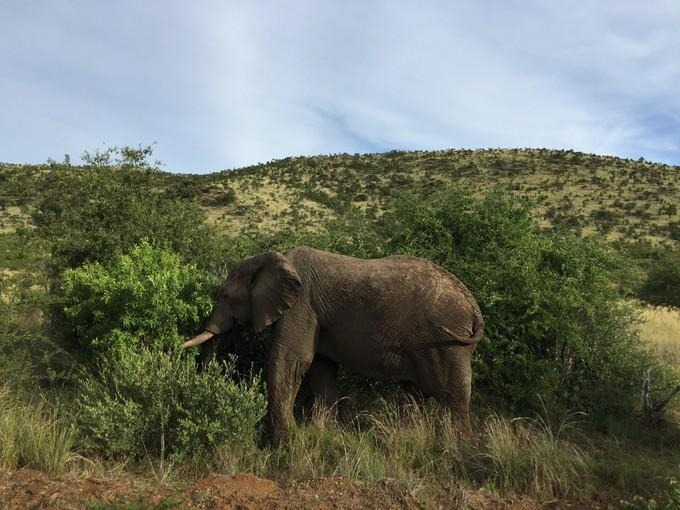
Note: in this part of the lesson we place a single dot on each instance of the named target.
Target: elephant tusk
(206, 335)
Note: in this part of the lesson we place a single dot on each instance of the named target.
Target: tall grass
(32, 435)
(419, 446)
(661, 329)
(529, 457)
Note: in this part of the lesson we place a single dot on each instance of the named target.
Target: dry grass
(12, 217)
(529, 457)
(419, 446)
(633, 192)
(32, 435)
(266, 203)
(661, 329)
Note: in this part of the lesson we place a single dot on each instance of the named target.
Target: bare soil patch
(33, 489)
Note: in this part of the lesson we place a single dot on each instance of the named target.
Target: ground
(32, 489)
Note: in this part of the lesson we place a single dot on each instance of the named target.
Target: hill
(619, 198)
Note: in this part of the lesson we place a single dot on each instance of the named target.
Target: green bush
(555, 327)
(350, 234)
(92, 214)
(145, 398)
(670, 500)
(154, 404)
(226, 197)
(662, 286)
(28, 354)
(145, 298)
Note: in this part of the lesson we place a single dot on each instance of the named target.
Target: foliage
(32, 435)
(121, 157)
(144, 399)
(662, 286)
(350, 235)
(27, 353)
(92, 214)
(556, 329)
(670, 500)
(226, 197)
(13, 358)
(147, 297)
(554, 324)
(154, 403)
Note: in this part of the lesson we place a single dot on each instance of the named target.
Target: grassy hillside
(620, 198)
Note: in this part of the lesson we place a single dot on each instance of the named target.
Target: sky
(225, 84)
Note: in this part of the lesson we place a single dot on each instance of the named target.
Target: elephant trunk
(197, 340)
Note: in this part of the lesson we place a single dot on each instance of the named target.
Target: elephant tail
(477, 325)
(477, 331)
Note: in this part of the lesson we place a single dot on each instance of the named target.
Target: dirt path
(30, 489)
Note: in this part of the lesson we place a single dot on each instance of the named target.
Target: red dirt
(28, 488)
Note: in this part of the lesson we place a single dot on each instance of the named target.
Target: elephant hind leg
(323, 380)
(460, 413)
(448, 378)
(319, 387)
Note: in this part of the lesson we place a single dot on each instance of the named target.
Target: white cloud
(225, 84)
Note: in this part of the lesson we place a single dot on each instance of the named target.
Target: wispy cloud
(226, 84)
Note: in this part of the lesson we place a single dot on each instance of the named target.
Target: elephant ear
(276, 285)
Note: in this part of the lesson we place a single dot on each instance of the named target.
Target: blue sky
(226, 84)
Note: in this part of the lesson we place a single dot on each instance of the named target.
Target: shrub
(155, 404)
(670, 500)
(92, 214)
(144, 398)
(350, 235)
(662, 286)
(673, 230)
(554, 324)
(27, 352)
(226, 197)
(147, 297)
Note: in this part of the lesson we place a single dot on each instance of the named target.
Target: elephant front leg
(291, 355)
(285, 372)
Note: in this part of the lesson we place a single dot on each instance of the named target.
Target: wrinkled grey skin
(398, 317)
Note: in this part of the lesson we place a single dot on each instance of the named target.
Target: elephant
(398, 317)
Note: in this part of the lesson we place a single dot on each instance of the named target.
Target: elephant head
(257, 291)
